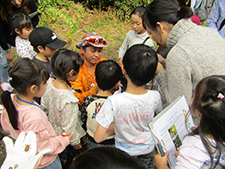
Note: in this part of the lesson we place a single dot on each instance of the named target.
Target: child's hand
(177, 152)
(67, 134)
(96, 89)
(9, 56)
(161, 162)
(77, 147)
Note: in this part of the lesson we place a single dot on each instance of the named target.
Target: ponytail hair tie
(220, 96)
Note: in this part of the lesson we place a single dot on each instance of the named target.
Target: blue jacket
(217, 16)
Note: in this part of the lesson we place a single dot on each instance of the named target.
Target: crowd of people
(89, 112)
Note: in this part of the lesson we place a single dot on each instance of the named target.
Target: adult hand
(22, 154)
(161, 162)
(162, 60)
(159, 68)
(9, 56)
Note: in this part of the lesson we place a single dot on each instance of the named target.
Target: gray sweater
(196, 52)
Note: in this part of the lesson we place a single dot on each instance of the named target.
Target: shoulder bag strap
(145, 40)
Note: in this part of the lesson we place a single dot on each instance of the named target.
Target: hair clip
(220, 96)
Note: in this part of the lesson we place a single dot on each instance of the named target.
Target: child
(136, 36)
(22, 27)
(133, 109)
(91, 51)
(204, 147)
(45, 43)
(59, 102)
(106, 157)
(107, 75)
(22, 113)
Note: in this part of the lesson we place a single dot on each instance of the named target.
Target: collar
(178, 30)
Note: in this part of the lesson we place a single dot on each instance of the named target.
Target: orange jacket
(84, 81)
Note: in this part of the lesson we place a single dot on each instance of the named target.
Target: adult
(216, 19)
(194, 18)
(8, 8)
(196, 51)
(91, 51)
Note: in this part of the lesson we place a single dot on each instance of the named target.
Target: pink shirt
(33, 118)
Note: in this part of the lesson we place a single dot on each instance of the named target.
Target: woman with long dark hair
(7, 9)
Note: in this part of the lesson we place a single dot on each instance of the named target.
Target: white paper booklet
(170, 127)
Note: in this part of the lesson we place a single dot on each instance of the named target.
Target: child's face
(92, 54)
(25, 32)
(136, 24)
(48, 52)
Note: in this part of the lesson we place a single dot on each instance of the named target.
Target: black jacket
(6, 36)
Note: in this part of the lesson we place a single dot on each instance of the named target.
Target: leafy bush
(122, 8)
(44, 4)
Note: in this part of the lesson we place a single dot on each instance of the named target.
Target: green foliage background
(122, 8)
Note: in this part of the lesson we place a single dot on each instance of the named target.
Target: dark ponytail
(24, 73)
(209, 100)
(165, 10)
(10, 108)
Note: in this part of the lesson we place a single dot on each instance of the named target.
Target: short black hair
(163, 51)
(106, 157)
(107, 74)
(140, 63)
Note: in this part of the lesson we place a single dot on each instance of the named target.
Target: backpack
(203, 10)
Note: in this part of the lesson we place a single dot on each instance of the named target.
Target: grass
(71, 23)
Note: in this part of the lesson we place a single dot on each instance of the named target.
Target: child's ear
(71, 72)
(18, 32)
(33, 89)
(40, 49)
